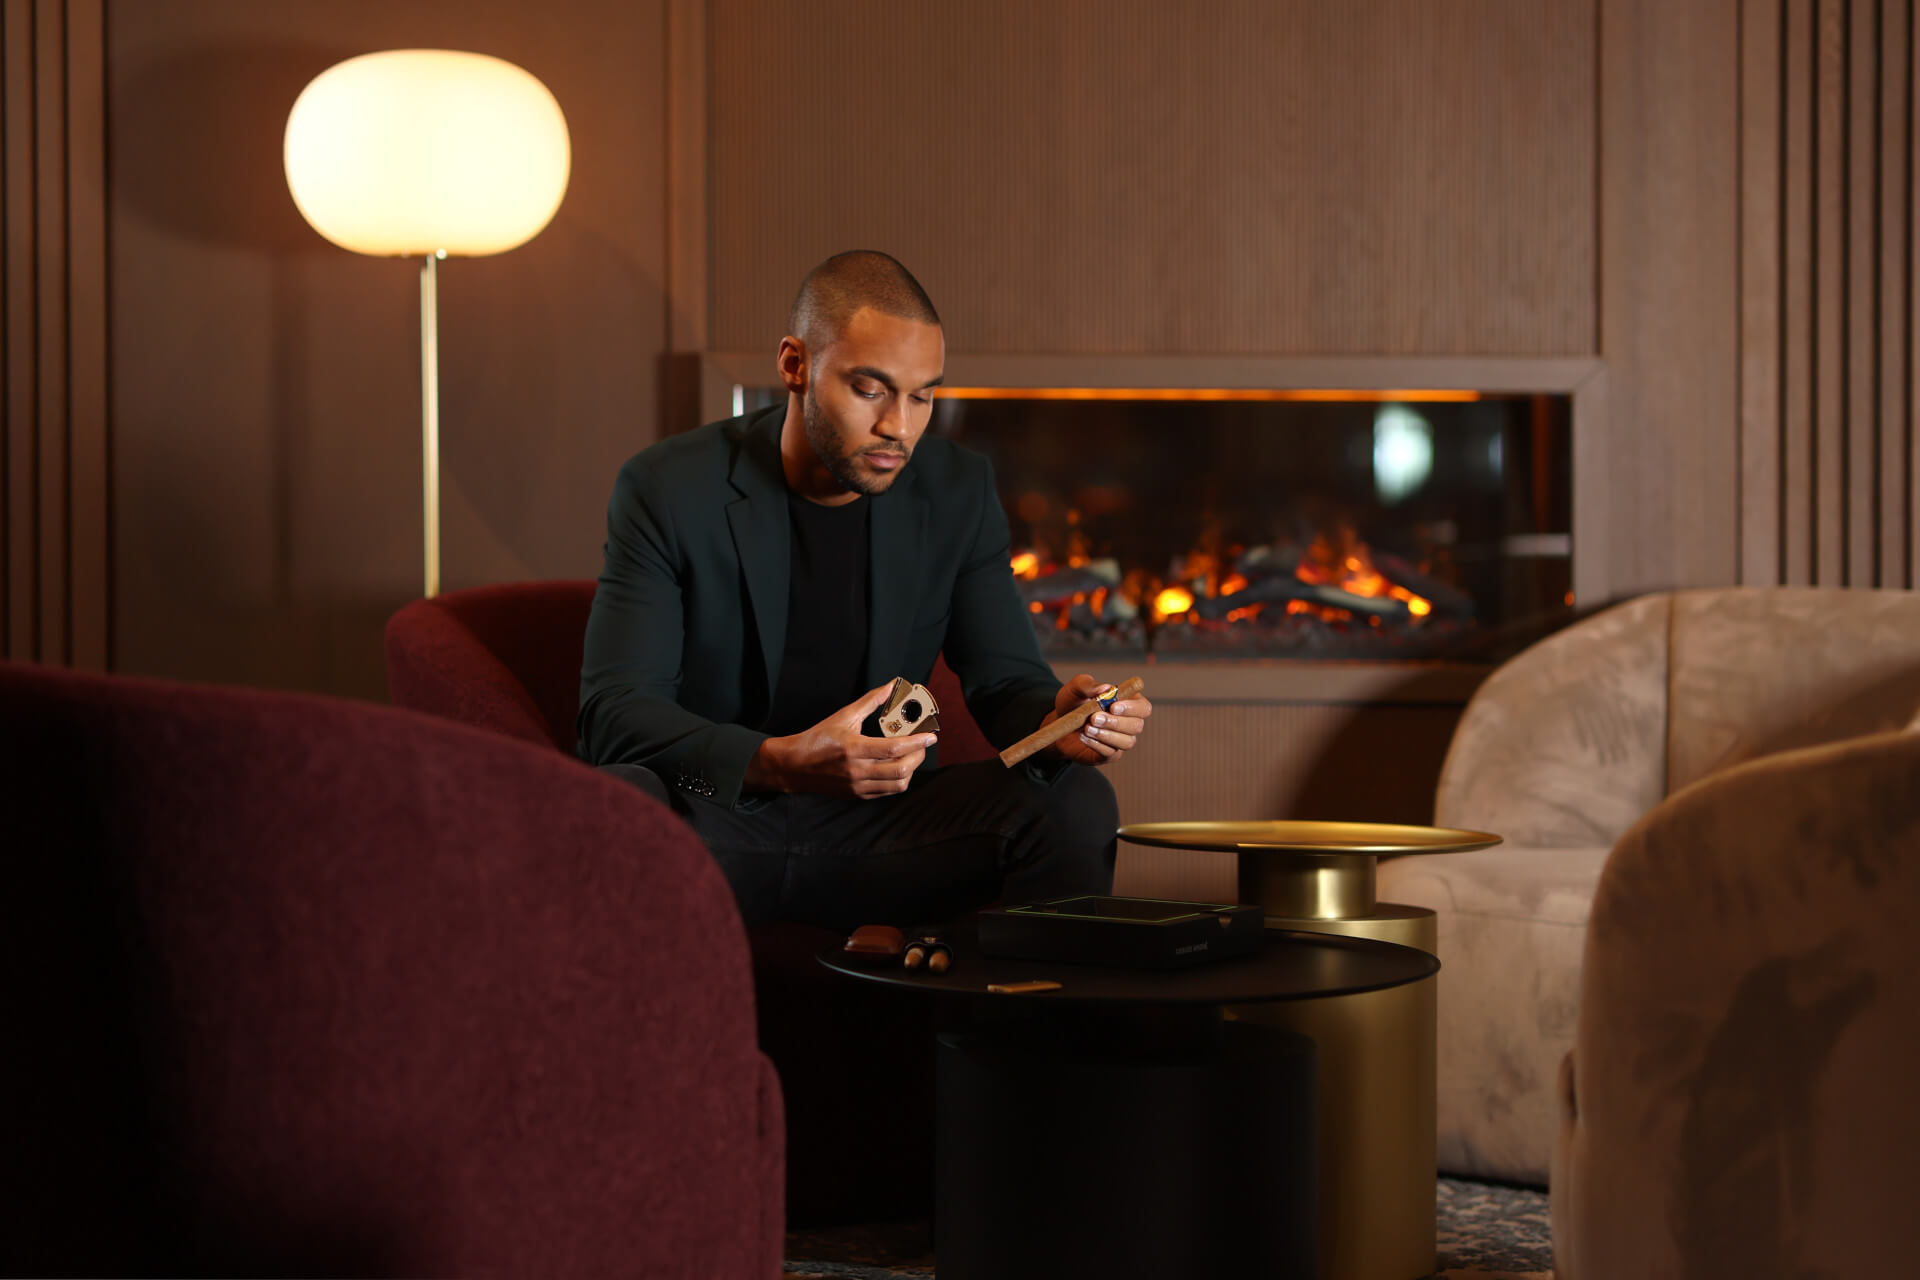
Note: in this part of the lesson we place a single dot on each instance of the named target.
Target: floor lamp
(422, 153)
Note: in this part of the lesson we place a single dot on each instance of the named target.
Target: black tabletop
(1288, 966)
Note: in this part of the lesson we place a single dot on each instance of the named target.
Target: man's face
(869, 396)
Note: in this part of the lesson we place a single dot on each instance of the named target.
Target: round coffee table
(1378, 1053)
(1125, 1123)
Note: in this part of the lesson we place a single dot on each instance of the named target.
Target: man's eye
(866, 390)
(923, 399)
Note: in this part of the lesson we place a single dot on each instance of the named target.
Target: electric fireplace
(1229, 522)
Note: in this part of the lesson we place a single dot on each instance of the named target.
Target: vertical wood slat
(18, 588)
(50, 191)
(1796, 453)
(1828, 337)
(1829, 250)
(1859, 440)
(1761, 228)
(1913, 320)
(89, 494)
(54, 470)
(1895, 312)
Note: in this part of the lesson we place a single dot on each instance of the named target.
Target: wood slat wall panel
(1894, 318)
(1862, 423)
(53, 439)
(1913, 320)
(1839, 100)
(1796, 445)
(1121, 177)
(1761, 280)
(1829, 270)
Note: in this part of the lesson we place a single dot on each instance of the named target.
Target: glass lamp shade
(421, 151)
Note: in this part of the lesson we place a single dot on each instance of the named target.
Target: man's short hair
(846, 282)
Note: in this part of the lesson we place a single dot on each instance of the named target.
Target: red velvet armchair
(298, 985)
(855, 1061)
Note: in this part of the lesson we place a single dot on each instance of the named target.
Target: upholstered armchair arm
(1565, 745)
(1739, 1100)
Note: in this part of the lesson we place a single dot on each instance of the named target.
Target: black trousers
(956, 840)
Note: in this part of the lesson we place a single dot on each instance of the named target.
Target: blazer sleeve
(631, 673)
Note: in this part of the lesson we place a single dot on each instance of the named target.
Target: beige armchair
(1740, 1100)
(1563, 750)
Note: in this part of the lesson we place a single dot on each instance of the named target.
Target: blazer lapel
(894, 534)
(758, 519)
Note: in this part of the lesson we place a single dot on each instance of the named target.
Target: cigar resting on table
(1048, 734)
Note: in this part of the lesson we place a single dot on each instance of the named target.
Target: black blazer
(689, 624)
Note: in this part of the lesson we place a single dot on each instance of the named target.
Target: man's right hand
(835, 758)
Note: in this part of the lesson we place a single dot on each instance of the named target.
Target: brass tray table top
(1308, 870)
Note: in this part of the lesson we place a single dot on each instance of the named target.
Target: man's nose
(897, 423)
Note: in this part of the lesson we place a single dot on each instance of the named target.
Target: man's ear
(792, 363)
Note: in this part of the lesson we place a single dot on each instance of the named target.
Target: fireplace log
(1443, 597)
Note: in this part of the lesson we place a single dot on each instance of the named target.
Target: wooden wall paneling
(1862, 261)
(19, 587)
(1797, 428)
(1761, 230)
(50, 322)
(687, 262)
(1912, 299)
(1829, 249)
(1126, 177)
(1669, 282)
(1895, 226)
(55, 435)
(1842, 336)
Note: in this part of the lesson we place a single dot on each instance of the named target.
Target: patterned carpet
(1485, 1232)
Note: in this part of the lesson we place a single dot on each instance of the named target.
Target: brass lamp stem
(430, 416)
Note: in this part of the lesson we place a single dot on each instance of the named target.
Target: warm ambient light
(1311, 394)
(419, 151)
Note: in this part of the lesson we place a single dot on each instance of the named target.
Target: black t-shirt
(826, 653)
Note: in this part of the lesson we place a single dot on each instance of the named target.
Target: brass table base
(1377, 1160)
(1378, 1055)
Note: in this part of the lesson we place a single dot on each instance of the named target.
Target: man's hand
(1106, 734)
(835, 758)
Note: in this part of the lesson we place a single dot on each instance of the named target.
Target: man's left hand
(1107, 734)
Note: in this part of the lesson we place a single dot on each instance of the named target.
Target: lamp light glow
(417, 151)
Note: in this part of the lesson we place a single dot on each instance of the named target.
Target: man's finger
(869, 748)
(867, 705)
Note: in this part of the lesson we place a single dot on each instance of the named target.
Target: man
(766, 578)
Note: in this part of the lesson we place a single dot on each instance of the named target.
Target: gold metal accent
(1327, 838)
(1378, 1158)
(1307, 886)
(1308, 870)
(430, 417)
(1378, 1055)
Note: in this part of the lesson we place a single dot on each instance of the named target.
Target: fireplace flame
(1341, 560)
(1171, 603)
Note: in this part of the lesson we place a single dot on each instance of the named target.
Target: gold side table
(1377, 1161)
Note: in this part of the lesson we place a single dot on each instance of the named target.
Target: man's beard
(825, 442)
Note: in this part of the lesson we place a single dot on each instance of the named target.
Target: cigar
(1048, 734)
(1020, 988)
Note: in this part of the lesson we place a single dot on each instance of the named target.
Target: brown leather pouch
(875, 944)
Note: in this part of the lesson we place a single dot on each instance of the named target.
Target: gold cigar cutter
(909, 709)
